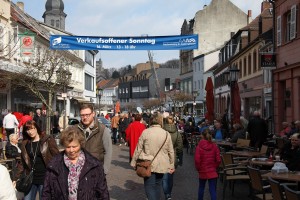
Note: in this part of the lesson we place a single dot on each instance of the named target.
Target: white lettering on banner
(115, 41)
(100, 40)
(150, 41)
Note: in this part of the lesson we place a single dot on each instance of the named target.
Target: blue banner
(177, 42)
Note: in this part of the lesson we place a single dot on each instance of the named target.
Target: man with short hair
(98, 137)
(10, 122)
(40, 119)
(12, 149)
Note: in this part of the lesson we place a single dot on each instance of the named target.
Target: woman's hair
(156, 119)
(30, 124)
(70, 134)
(206, 135)
(138, 117)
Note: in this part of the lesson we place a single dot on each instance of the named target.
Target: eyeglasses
(85, 115)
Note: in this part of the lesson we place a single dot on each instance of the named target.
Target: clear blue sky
(130, 18)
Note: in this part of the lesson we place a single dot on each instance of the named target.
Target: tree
(151, 104)
(48, 71)
(179, 98)
(115, 74)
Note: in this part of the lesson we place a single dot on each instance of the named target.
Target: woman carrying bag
(155, 140)
(37, 150)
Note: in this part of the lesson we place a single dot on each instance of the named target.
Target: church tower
(54, 14)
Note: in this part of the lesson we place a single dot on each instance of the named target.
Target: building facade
(287, 74)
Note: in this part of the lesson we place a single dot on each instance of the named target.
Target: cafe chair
(232, 173)
(242, 143)
(257, 186)
(291, 194)
(277, 189)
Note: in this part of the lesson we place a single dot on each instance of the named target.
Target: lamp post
(63, 78)
(231, 76)
(195, 94)
(99, 94)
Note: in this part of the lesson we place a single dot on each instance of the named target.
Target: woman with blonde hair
(207, 159)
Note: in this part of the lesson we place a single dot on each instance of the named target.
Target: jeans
(114, 132)
(167, 184)
(212, 188)
(32, 193)
(152, 186)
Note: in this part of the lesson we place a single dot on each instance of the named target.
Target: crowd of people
(77, 168)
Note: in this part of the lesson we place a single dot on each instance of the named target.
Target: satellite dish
(139, 109)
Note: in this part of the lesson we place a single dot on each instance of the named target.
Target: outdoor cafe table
(225, 143)
(293, 176)
(248, 154)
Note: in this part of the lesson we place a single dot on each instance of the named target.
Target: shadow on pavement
(121, 164)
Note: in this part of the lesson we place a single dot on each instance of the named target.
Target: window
(199, 84)
(89, 82)
(291, 24)
(254, 62)
(52, 22)
(57, 23)
(144, 89)
(135, 89)
(89, 58)
(278, 30)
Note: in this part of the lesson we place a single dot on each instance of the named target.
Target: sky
(130, 18)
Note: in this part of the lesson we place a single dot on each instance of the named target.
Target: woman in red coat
(133, 133)
(207, 159)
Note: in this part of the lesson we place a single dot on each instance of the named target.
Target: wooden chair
(232, 173)
(291, 194)
(277, 189)
(264, 149)
(242, 143)
(257, 185)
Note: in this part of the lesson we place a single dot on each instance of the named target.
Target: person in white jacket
(6, 187)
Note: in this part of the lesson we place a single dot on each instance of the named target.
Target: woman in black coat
(74, 173)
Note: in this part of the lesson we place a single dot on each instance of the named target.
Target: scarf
(74, 173)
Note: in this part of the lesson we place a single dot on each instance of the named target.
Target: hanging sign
(27, 45)
(268, 60)
(177, 42)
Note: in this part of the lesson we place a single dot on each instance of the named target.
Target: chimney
(249, 16)
(20, 5)
(265, 5)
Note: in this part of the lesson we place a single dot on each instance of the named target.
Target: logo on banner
(56, 41)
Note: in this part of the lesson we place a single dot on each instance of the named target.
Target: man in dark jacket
(258, 130)
(12, 149)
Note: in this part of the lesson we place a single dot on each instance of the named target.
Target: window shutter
(278, 30)
(293, 22)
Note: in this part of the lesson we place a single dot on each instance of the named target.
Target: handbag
(24, 183)
(143, 167)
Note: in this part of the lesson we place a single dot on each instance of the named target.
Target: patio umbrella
(236, 103)
(209, 99)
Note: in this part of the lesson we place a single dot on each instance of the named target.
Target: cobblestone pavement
(124, 184)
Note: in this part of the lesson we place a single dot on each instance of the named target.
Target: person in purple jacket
(207, 159)
(74, 173)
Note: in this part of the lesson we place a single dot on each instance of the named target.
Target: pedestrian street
(124, 184)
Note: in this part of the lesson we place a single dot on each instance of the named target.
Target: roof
(109, 83)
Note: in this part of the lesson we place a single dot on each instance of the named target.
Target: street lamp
(195, 94)
(63, 78)
(99, 94)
